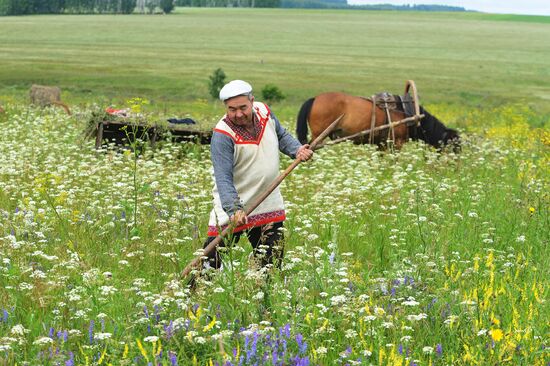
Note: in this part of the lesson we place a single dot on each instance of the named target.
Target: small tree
(271, 93)
(216, 83)
(127, 6)
(151, 5)
(167, 6)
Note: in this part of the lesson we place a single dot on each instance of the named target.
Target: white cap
(234, 88)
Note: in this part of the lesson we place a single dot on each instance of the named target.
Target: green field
(392, 258)
(469, 59)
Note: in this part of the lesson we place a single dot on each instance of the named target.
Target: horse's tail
(301, 123)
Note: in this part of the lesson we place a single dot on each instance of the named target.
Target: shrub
(271, 93)
(167, 6)
(217, 81)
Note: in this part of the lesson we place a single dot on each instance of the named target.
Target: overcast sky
(535, 7)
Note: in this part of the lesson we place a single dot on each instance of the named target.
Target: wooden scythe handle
(214, 243)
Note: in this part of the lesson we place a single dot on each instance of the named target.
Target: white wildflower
(338, 300)
(482, 332)
(428, 350)
(410, 302)
(43, 341)
(102, 336)
(520, 239)
(19, 330)
(350, 333)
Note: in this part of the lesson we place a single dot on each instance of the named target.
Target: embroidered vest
(255, 167)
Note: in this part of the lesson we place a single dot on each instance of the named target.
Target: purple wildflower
(5, 315)
(157, 313)
(70, 361)
(169, 330)
(145, 311)
(400, 349)
(91, 331)
(302, 361)
(302, 346)
(287, 330)
(51, 333)
(331, 258)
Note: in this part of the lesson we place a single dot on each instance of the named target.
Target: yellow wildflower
(100, 361)
(159, 349)
(142, 350)
(381, 354)
(496, 334)
(210, 325)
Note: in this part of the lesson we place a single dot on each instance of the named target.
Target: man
(245, 149)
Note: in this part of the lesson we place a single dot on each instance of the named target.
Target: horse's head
(435, 133)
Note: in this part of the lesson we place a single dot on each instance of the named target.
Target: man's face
(239, 110)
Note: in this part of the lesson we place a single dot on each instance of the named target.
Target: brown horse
(321, 110)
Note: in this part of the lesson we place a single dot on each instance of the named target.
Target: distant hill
(321, 4)
(408, 7)
(314, 4)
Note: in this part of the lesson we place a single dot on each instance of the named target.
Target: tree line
(25, 7)
(312, 4)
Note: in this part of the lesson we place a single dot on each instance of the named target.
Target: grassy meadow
(469, 59)
(409, 257)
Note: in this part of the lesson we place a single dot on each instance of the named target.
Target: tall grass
(412, 257)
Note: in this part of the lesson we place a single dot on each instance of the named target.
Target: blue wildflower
(70, 361)
(91, 331)
(302, 346)
(439, 349)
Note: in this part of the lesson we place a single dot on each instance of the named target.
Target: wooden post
(99, 135)
(366, 132)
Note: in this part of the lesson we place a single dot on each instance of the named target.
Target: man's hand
(304, 153)
(239, 218)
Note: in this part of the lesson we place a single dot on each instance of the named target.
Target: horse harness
(390, 102)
